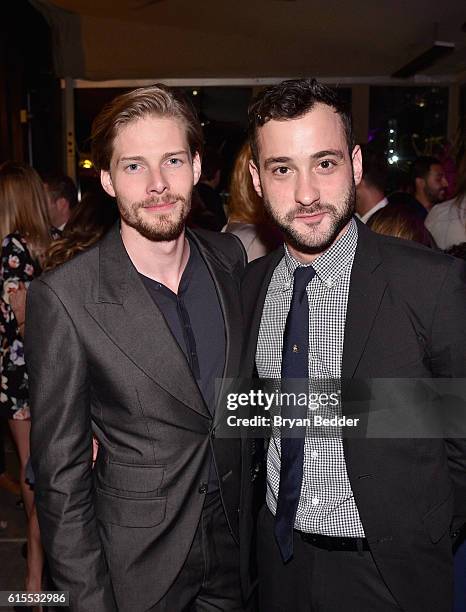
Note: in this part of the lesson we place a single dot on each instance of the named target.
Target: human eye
(174, 162)
(133, 167)
(326, 166)
(281, 171)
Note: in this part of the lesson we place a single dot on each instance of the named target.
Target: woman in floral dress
(25, 232)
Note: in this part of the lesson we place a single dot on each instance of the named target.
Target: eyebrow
(328, 152)
(127, 158)
(131, 158)
(276, 160)
(315, 156)
(174, 153)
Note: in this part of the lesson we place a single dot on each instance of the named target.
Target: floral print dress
(17, 265)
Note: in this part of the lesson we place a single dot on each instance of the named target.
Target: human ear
(196, 167)
(106, 181)
(255, 177)
(356, 160)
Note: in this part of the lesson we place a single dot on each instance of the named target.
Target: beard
(313, 240)
(159, 227)
(434, 196)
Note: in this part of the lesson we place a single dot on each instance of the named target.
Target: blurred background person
(429, 184)
(89, 221)
(26, 234)
(370, 193)
(447, 221)
(62, 197)
(401, 221)
(247, 218)
(209, 212)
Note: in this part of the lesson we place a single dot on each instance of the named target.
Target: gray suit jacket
(101, 359)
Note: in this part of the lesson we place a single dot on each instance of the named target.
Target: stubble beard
(312, 240)
(433, 196)
(161, 227)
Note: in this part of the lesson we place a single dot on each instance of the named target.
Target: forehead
(319, 129)
(436, 169)
(151, 133)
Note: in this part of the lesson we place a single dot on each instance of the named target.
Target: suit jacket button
(203, 488)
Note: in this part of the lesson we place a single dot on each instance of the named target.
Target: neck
(367, 200)
(422, 199)
(163, 261)
(307, 258)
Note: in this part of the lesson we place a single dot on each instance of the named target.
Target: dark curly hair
(291, 100)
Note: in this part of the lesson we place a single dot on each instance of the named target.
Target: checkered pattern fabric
(326, 504)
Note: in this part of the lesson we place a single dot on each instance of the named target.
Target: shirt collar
(365, 218)
(332, 263)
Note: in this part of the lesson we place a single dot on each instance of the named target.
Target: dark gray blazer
(101, 359)
(406, 318)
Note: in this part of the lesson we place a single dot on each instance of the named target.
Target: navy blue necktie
(295, 361)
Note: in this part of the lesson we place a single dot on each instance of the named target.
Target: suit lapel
(254, 295)
(367, 287)
(227, 287)
(128, 315)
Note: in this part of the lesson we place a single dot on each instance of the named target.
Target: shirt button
(315, 501)
(295, 348)
(314, 454)
(203, 488)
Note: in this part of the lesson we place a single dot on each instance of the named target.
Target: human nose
(157, 182)
(307, 191)
(444, 181)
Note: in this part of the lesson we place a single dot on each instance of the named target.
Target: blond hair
(244, 205)
(23, 206)
(400, 221)
(156, 100)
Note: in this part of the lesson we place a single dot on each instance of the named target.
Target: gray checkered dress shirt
(326, 504)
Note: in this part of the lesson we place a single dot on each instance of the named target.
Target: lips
(314, 217)
(160, 205)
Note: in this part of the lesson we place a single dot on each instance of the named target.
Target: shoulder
(241, 229)
(75, 274)
(225, 246)
(418, 265)
(258, 270)
(440, 212)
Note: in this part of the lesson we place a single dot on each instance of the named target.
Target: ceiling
(160, 39)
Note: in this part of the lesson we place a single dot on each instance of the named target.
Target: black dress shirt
(195, 319)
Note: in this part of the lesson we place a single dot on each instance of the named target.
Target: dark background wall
(30, 98)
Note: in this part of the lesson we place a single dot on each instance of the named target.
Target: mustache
(166, 198)
(311, 210)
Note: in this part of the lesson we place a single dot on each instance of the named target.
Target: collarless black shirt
(195, 319)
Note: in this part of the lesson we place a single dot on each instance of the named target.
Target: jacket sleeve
(61, 452)
(448, 357)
